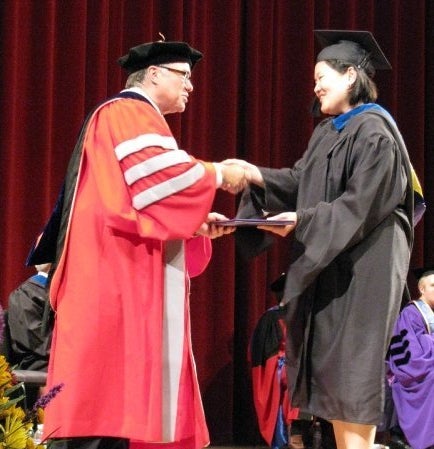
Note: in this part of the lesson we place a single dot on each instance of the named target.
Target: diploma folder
(253, 222)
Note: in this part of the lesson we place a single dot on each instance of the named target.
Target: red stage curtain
(252, 96)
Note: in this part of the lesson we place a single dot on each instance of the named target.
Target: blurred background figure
(411, 359)
(280, 425)
(268, 361)
(28, 332)
(29, 323)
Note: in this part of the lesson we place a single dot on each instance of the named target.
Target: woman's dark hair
(364, 89)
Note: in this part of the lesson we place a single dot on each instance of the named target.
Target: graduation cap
(423, 271)
(159, 52)
(355, 47)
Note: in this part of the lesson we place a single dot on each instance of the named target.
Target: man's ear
(153, 73)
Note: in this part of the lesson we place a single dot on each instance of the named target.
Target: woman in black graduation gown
(351, 198)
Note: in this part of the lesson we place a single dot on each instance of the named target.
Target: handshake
(237, 173)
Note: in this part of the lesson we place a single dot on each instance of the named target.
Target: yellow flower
(15, 431)
(5, 373)
(40, 415)
(30, 444)
(15, 424)
(4, 409)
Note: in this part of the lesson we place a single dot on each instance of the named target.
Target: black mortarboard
(423, 271)
(356, 47)
(278, 285)
(159, 52)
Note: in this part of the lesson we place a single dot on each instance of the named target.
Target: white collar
(141, 92)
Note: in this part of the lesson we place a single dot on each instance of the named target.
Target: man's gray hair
(136, 78)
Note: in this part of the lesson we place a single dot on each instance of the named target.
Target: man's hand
(211, 227)
(283, 230)
(234, 178)
(251, 172)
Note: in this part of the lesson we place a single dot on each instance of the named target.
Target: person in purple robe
(411, 361)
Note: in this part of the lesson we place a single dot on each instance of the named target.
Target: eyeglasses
(186, 76)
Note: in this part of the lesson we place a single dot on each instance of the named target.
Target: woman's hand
(283, 230)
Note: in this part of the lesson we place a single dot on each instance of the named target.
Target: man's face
(174, 87)
(426, 289)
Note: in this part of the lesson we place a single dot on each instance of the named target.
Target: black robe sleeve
(378, 185)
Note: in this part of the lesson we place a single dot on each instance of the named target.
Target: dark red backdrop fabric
(252, 96)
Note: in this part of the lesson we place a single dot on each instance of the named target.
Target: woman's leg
(353, 436)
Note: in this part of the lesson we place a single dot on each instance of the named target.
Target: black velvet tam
(160, 52)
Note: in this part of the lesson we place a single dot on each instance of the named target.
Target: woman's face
(332, 88)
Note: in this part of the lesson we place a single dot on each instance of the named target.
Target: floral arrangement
(17, 424)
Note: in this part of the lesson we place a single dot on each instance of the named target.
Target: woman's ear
(352, 76)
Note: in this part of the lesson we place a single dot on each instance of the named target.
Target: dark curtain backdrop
(252, 96)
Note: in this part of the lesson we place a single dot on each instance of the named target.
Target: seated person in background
(267, 351)
(411, 359)
(28, 322)
(280, 425)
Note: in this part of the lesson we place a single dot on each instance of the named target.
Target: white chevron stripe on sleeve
(143, 141)
(154, 164)
(169, 187)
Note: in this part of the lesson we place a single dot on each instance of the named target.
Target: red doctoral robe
(121, 343)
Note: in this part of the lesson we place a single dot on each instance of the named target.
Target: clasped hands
(237, 174)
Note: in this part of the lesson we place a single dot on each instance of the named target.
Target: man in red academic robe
(132, 206)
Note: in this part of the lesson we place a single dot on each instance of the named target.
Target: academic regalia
(411, 361)
(269, 381)
(353, 196)
(268, 360)
(120, 260)
(30, 340)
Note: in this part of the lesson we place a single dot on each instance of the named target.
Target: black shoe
(397, 443)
